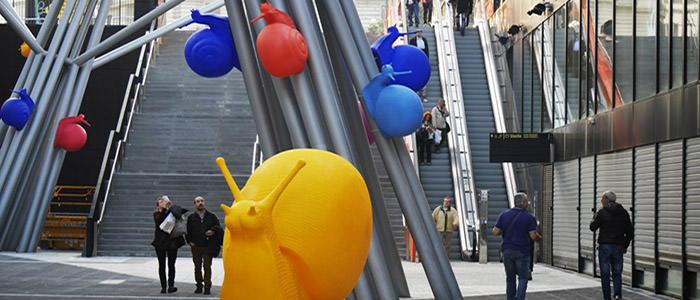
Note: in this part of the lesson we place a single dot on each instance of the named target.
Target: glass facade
(591, 56)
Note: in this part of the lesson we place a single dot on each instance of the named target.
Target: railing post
(483, 219)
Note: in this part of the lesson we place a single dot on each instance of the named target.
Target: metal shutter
(546, 219)
(644, 207)
(670, 203)
(692, 203)
(588, 200)
(615, 174)
(565, 215)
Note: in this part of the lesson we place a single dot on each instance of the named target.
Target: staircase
(391, 203)
(184, 122)
(370, 11)
(437, 177)
(480, 123)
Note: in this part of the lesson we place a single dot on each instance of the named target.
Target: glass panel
(548, 82)
(527, 85)
(589, 14)
(605, 54)
(536, 80)
(583, 60)
(573, 60)
(645, 44)
(677, 44)
(624, 56)
(691, 45)
(560, 86)
(664, 55)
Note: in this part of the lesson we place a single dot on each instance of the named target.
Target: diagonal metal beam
(137, 43)
(137, 25)
(19, 27)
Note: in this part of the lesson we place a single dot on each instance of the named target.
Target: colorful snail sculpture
(281, 47)
(70, 136)
(24, 49)
(396, 108)
(210, 52)
(15, 112)
(299, 229)
(402, 58)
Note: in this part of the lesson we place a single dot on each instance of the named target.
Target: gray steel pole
(251, 76)
(11, 154)
(137, 25)
(431, 265)
(70, 104)
(19, 27)
(137, 43)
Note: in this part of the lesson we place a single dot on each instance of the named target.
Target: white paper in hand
(168, 224)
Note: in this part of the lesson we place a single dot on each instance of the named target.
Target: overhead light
(540, 8)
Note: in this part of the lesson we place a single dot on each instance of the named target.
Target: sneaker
(198, 290)
(172, 289)
(207, 291)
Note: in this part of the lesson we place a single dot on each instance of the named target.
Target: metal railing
(118, 137)
(494, 90)
(460, 156)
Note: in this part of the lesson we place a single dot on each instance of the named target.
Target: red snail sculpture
(70, 136)
(281, 47)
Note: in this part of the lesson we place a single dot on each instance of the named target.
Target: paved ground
(66, 275)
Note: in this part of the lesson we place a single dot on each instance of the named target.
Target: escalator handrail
(460, 155)
(494, 90)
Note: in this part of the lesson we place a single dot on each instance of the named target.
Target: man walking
(446, 221)
(440, 114)
(517, 227)
(616, 233)
(202, 230)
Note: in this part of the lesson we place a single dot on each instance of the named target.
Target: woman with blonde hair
(164, 244)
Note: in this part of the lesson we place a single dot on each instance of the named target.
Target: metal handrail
(118, 137)
(495, 92)
(545, 70)
(461, 164)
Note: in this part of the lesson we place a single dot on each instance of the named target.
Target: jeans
(202, 258)
(172, 256)
(610, 259)
(516, 263)
(414, 13)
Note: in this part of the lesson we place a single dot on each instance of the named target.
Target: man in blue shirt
(518, 227)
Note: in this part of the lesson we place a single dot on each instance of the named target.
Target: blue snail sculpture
(15, 112)
(210, 52)
(402, 58)
(396, 109)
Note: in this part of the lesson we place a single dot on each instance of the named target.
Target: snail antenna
(235, 191)
(271, 198)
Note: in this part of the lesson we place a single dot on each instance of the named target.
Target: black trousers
(424, 152)
(172, 256)
(427, 12)
(202, 258)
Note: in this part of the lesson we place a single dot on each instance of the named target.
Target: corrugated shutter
(615, 174)
(644, 207)
(546, 219)
(692, 203)
(587, 203)
(565, 215)
(670, 205)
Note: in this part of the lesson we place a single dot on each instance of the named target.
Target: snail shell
(282, 50)
(208, 54)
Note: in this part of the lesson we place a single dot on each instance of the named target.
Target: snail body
(70, 136)
(282, 48)
(277, 243)
(15, 112)
(396, 109)
(210, 52)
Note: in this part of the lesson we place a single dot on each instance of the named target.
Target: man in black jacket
(616, 233)
(202, 229)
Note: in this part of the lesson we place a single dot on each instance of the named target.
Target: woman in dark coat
(166, 246)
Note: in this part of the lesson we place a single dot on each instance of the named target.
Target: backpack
(180, 228)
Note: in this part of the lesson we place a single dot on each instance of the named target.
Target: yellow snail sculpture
(299, 229)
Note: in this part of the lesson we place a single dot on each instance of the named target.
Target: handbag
(437, 136)
(180, 228)
(168, 224)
